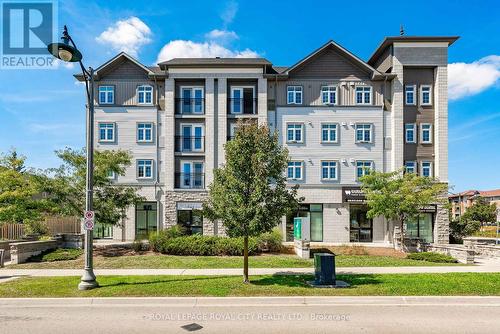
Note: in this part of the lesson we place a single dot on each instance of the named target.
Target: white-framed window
(410, 133)
(145, 94)
(410, 94)
(111, 175)
(192, 175)
(145, 169)
(106, 132)
(426, 133)
(106, 94)
(192, 100)
(192, 138)
(329, 170)
(294, 94)
(363, 95)
(426, 95)
(295, 170)
(363, 167)
(364, 132)
(410, 166)
(329, 94)
(295, 133)
(145, 132)
(426, 168)
(243, 100)
(329, 133)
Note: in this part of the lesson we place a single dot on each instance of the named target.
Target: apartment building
(338, 115)
(460, 202)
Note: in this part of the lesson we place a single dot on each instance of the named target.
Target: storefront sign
(189, 206)
(428, 208)
(353, 195)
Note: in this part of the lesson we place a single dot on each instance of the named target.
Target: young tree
(481, 211)
(400, 196)
(21, 197)
(67, 187)
(249, 193)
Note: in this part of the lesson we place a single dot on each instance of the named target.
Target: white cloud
(229, 12)
(127, 35)
(190, 49)
(467, 79)
(221, 35)
(59, 63)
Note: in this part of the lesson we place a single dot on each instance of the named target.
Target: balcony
(191, 144)
(190, 180)
(190, 106)
(242, 106)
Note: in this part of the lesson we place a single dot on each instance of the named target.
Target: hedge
(432, 257)
(168, 242)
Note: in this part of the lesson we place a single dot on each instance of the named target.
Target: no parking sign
(88, 220)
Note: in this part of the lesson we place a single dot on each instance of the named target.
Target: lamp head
(64, 50)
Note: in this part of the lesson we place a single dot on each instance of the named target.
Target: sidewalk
(485, 268)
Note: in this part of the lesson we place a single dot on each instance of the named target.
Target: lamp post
(69, 53)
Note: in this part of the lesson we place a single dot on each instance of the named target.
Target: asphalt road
(252, 315)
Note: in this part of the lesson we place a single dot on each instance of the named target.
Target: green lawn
(362, 285)
(194, 262)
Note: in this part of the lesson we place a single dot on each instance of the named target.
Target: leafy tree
(21, 196)
(67, 186)
(400, 196)
(462, 227)
(481, 211)
(249, 193)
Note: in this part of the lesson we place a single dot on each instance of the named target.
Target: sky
(43, 110)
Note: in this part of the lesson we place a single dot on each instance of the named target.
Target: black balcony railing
(190, 180)
(230, 138)
(242, 106)
(189, 144)
(191, 106)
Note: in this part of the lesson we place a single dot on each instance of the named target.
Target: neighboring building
(337, 115)
(462, 201)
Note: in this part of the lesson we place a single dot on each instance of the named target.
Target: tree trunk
(245, 260)
(402, 234)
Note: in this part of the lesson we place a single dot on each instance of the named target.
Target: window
(426, 168)
(145, 132)
(192, 100)
(145, 94)
(294, 133)
(420, 228)
(363, 95)
(329, 170)
(192, 175)
(363, 168)
(425, 95)
(191, 221)
(243, 100)
(294, 94)
(426, 133)
(360, 226)
(410, 94)
(111, 175)
(192, 137)
(329, 95)
(106, 94)
(410, 166)
(363, 133)
(410, 130)
(329, 133)
(106, 132)
(294, 171)
(145, 169)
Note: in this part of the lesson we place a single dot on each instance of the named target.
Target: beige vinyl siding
(126, 91)
(311, 89)
(125, 70)
(384, 62)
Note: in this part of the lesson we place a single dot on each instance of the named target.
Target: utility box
(324, 269)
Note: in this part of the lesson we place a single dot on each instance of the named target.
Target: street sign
(89, 215)
(88, 225)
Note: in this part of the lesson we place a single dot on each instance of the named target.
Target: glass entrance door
(145, 219)
(361, 227)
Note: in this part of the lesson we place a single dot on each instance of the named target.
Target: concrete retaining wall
(462, 253)
(21, 251)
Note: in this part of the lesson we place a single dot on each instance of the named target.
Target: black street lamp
(69, 53)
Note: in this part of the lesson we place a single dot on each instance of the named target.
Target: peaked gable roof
(341, 50)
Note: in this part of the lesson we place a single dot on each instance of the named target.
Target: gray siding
(384, 62)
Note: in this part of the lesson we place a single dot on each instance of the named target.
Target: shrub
(270, 242)
(158, 239)
(432, 257)
(35, 227)
(463, 227)
(138, 246)
(60, 254)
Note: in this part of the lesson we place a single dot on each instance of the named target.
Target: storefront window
(315, 214)
(361, 227)
(145, 219)
(102, 231)
(191, 221)
(420, 228)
